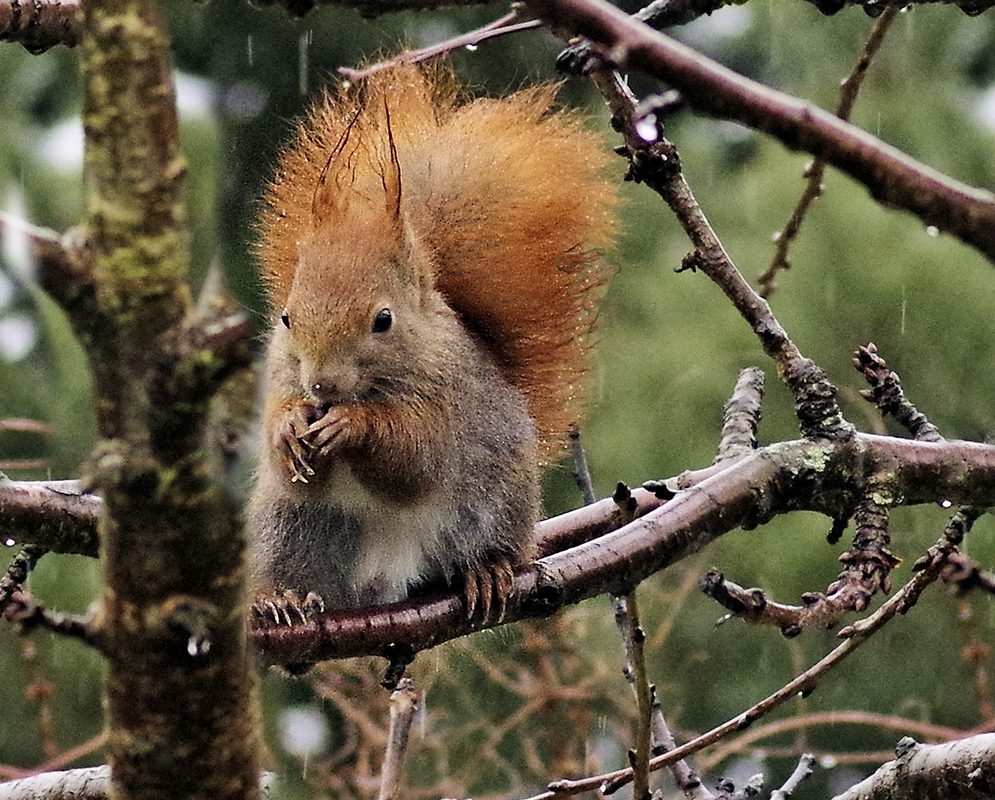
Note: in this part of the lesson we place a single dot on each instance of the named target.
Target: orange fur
(508, 199)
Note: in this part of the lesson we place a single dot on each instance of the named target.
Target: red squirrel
(429, 262)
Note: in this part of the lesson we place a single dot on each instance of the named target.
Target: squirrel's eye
(383, 320)
(285, 319)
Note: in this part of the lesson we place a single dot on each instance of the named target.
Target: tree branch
(40, 24)
(370, 8)
(89, 783)
(659, 14)
(742, 416)
(805, 683)
(892, 177)
(826, 478)
(654, 161)
(171, 614)
(403, 708)
(801, 772)
(748, 741)
(509, 23)
(960, 770)
(868, 566)
(58, 515)
(886, 393)
(784, 477)
(82, 783)
(633, 639)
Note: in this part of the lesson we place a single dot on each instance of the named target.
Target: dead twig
(742, 416)
(814, 171)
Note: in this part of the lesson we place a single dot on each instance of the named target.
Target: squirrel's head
(362, 319)
(359, 315)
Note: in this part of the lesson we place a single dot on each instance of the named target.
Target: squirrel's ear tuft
(332, 191)
(391, 170)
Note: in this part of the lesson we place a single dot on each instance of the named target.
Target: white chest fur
(399, 539)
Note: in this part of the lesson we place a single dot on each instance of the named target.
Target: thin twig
(18, 425)
(25, 463)
(652, 728)
(747, 741)
(26, 426)
(35, 233)
(58, 761)
(960, 570)
(850, 87)
(510, 23)
(633, 637)
(801, 772)
(582, 475)
(868, 562)
(965, 574)
(805, 683)
(28, 613)
(814, 172)
(12, 583)
(403, 708)
(657, 164)
(886, 393)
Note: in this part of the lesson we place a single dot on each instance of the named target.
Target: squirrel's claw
(489, 584)
(285, 606)
(300, 469)
(290, 445)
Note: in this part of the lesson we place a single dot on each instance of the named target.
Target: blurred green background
(670, 350)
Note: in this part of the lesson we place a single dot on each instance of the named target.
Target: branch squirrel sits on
(431, 265)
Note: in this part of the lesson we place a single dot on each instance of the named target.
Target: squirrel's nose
(324, 393)
(331, 389)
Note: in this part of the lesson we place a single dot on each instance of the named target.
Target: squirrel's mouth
(314, 412)
(322, 407)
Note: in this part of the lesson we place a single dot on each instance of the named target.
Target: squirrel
(431, 265)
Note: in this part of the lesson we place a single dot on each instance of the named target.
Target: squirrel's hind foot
(489, 585)
(287, 607)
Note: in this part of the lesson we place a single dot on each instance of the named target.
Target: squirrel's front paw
(289, 442)
(286, 607)
(327, 433)
(488, 585)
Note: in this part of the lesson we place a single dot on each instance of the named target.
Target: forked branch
(892, 177)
